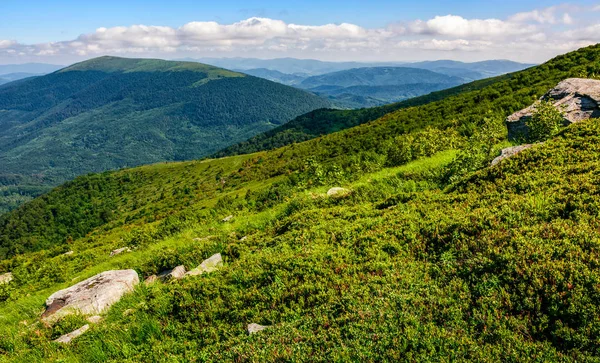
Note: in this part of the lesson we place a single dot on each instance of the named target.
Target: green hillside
(431, 256)
(326, 121)
(108, 113)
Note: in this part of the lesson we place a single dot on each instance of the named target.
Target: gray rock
(227, 219)
(92, 296)
(176, 273)
(509, 152)
(338, 192)
(67, 338)
(68, 253)
(577, 98)
(209, 265)
(6, 278)
(119, 251)
(94, 319)
(255, 328)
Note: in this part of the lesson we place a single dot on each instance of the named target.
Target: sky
(63, 32)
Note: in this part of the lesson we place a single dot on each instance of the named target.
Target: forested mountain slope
(109, 113)
(430, 255)
(362, 87)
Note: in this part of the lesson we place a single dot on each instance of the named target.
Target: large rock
(509, 152)
(6, 278)
(209, 265)
(577, 98)
(67, 338)
(92, 296)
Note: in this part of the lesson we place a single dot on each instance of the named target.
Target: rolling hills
(376, 86)
(109, 113)
(432, 254)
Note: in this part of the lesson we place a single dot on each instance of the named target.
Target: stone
(509, 152)
(577, 98)
(338, 192)
(68, 253)
(92, 296)
(150, 279)
(209, 265)
(6, 278)
(243, 238)
(119, 251)
(255, 328)
(94, 319)
(67, 338)
(176, 273)
(227, 219)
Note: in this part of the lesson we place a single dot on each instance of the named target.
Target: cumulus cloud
(445, 36)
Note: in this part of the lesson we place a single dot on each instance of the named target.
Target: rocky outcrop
(67, 338)
(92, 296)
(509, 152)
(255, 328)
(338, 192)
(577, 98)
(175, 274)
(209, 265)
(6, 278)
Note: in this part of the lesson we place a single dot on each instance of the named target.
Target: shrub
(545, 122)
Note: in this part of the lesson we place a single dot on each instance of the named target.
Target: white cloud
(457, 26)
(523, 36)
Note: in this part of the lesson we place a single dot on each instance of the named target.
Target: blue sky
(35, 21)
(33, 28)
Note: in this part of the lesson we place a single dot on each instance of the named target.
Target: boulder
(6, 278)
(509, 152)
(338, 192)
(150, 279)
(209, 265)
(92, 296)
(577, 98)
(177, 273)
(255, 328)
(118, 251)
(67, 338)
(68, 253)
(227, 219)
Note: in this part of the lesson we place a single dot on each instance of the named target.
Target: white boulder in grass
(177, 273)
(209, 265)
(67, 338)
(6, 278)
(338, 192)
(255, 328)
(92, 296)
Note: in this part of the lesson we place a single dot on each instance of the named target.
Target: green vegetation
(110, 113)
(545, 122)
(433, 256)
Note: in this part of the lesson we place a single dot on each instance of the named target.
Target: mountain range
(109, 113)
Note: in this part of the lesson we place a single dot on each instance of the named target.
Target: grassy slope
(501, 265)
